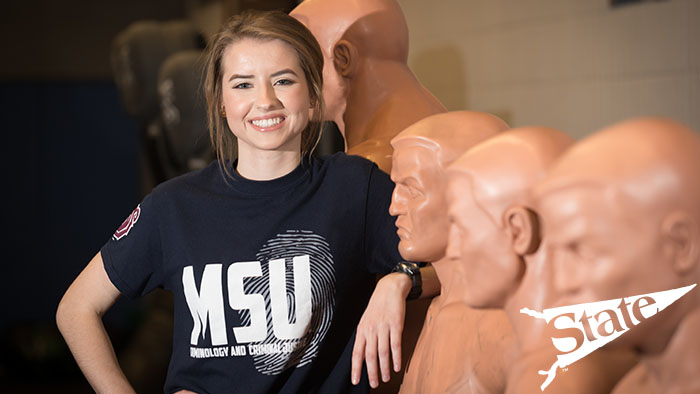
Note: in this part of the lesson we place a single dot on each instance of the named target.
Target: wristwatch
(413, 271)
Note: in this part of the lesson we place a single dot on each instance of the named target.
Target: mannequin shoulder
(376, 150)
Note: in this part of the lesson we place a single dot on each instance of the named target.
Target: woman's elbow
(63, 312)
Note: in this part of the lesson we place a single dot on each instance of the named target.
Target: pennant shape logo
(587, 327)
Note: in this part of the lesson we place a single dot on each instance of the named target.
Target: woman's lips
(268, 123)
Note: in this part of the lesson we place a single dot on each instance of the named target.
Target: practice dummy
(370, 92)
(493, 244)
(489, 189)
(621, 218)
(459, 347)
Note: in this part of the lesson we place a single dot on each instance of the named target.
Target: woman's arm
(79, 318)
(381, 326)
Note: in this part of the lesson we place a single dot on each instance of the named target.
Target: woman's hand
(380, 328)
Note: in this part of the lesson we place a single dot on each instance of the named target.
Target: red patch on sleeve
(124, 229)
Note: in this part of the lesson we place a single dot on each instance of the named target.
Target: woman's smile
(270, 123)
(266, 97)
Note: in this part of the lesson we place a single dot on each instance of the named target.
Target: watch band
(413, 271)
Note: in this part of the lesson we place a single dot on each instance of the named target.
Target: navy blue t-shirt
(269, 278)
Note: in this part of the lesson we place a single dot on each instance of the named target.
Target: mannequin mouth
(268, 123)
(401, 229)
(402, 233)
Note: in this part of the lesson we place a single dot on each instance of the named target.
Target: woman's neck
(266, 165)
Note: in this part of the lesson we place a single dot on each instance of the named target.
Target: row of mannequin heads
(529, 218)
(519, 218)
(461, 174)
(356, 33)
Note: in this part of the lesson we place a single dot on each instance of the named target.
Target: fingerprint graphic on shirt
(301, 275)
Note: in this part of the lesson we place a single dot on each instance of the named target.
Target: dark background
(72, 154)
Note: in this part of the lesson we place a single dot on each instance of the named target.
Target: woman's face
(265, 95)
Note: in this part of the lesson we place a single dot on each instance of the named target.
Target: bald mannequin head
(360, 21)
(348, 30)
(488, 194)
(421, 154)
(621, 217)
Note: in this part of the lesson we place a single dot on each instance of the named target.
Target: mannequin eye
(581, 250)
(413, 192)
(455, 225)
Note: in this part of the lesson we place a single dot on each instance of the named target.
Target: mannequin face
(418, 203)
(601, 245)
(266, 96)
(480, 246)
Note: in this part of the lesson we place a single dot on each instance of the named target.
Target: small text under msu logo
(599, 323)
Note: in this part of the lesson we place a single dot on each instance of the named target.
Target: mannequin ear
(681, 240)
(345, 58)
(523, 228)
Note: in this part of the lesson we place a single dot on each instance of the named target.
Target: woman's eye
(242, 85)
(284, 82)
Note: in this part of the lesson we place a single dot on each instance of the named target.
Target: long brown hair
(262, 25)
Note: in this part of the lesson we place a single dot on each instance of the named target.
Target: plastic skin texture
(621, 217)
(369, 90)
(460, 349)
(370, 93)
(494, 247)
(489, 189)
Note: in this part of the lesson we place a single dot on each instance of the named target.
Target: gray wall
(576, 65)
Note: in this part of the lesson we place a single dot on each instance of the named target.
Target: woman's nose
(267, 98)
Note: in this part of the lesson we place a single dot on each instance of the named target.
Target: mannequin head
(488, 195)
(421, 154)
(348, 30)
(621, 217)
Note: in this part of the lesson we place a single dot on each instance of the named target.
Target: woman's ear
(345, 58)
(681, 241)
(523, 228)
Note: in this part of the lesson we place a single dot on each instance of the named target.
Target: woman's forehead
(255, 53)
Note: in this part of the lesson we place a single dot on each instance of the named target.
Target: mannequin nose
(398, 202)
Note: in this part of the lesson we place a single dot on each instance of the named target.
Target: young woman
(271, 258)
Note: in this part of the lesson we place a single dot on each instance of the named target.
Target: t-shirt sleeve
(381, 240)
(132, 257)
